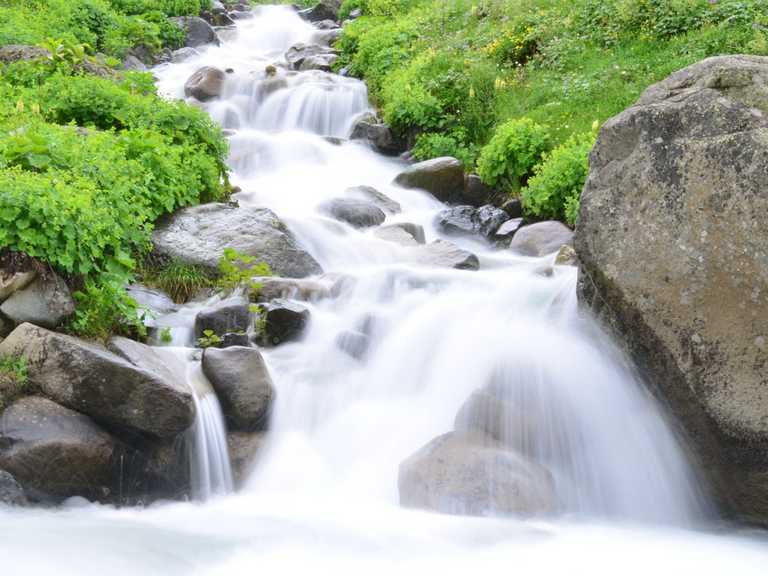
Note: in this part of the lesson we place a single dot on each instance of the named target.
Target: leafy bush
(237, 270)
(435, 145)
(555, 188)
(516, 147)
(104, 308)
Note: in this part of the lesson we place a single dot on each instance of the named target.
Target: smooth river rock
(197, 31)
(11, 492)
(56, 452)
(205, 84)
(356, 213)
(464, 474)
(199, 235)
(46, 301)
(541, 238)
(672, 237)
(441, 177)
(242, 383)
(85, 377)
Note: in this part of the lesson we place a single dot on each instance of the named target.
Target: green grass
(449, 73)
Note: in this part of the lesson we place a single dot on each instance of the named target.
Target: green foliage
(436, 144)
(209, 339)
(165, 335)
(555, 188)
(516, 147)
(65, 51)
(181, 281)
(104, 308)
(238, 270)
(16, 369)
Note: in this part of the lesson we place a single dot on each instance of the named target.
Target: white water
(324, 495)
(210, 469)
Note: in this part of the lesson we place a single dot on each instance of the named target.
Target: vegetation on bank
(475, 78)
(89, 162)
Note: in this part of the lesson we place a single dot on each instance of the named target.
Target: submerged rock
(379, 136)
(488, 414)
(284, 321)
(87, 378)
(272, 288)
(199, 235)
(56, 452)
(228, 316)
(46, 301)
(541, 238)
(356, 213)
(205, 84)
(244, 448)
(673, 244)
(243, 385)
(464, 474)
(467, 220)
(310, 57)
(370, 194)
(446, 255)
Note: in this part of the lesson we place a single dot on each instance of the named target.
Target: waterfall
(209, 466)
(324, 495)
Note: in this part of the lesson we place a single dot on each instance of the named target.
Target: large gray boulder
(380, 199)
(197, 31)
(55, 452)
(46, 302)
(87, 378)
(284, 321)
(311, 57)
(541, 238)
(272, 288)
(205, 84)
(441, 177)
(356, 213)
(244, 449)
(465, 474)
(323, 10)
(11, 282)
(242, 383)
(489, 413)
(228, 316)
(673, 243)
(199, 235)
(378, 135)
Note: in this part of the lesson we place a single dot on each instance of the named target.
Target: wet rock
(243, 385)
(154, 302)
(19, 52)
(230, 339)
(467, 220)
(356, 213)
(323, 10)
(566, 257)
(197, 31)
(199, 235)
(217, 17)
(326, 24)
(327, 37)
(370, 194)
(310, 57)
(183, 54)
(240, 14)
(506, 231)
(379, 136)
(441, 177)
(476, 192)
(87, 378)
(673, 247)
(355, 344)
(513, 207)
(396, 234)
(541, 238)
(11, 492)
(307, 290)
(488, 414)
(205, 84)
(446, 255)
(56, 452)
(46, 301)
(132, 63)
(414, 230)
(244, 449)
(231, 315)
(285, 321)
(11, 282)
(459, 474)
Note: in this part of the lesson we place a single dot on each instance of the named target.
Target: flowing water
(323, 494)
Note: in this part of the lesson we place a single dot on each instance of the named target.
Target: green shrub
(435, 145)
(555, 188)
(238, 270)
(104, 308)
(516, 147)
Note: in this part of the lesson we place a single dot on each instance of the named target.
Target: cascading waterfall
(210, 469)
(324, 494)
